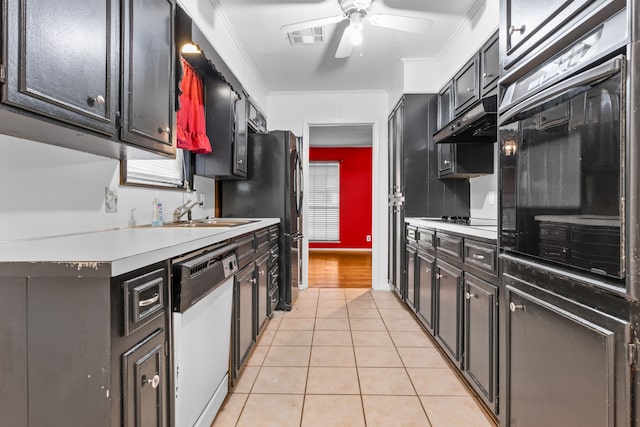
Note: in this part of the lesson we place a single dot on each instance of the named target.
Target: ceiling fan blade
(312, 23)
(402, 23)
(345, 47)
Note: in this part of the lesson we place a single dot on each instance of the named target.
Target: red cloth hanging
(191, 127)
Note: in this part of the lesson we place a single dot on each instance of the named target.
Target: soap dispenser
(157, 217)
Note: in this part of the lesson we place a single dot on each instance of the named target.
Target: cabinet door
(489, 65)
(410, 264)
(480, 339)
(240, 139)
(466, 89)
(425, 276)
(565, 363)
(262, 279)
(145, 383)
(449, 308)
(148, 85)
(445, 159)
(244, 313)
(445, 105)
(62, 60)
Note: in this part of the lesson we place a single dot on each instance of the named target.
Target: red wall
(355, 194)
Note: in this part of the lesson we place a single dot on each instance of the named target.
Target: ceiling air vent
(313, 35)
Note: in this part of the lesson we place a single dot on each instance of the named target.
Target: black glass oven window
(561, 179)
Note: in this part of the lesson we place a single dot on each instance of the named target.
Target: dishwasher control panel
(230, 265)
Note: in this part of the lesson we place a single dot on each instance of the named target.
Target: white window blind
(166, 173)
(324, 201)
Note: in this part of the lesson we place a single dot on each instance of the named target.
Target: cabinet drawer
(262, 241)
(273, 233)
(274, 254)
(245, 250)
(450, 245)
(143, 299)
(412, 233)
(425, 239)
(481, 255)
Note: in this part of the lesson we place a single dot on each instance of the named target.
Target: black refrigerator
(273, 189)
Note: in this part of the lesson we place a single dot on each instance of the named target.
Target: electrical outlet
(492, 198)
(368, 237)
(111, 199)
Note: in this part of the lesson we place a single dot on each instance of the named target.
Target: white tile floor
(348, 357)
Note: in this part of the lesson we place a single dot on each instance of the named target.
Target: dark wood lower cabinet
(564, 363)
(425, 276)
(481, 337)
(412, 293)
(449, 309)
(145, 382)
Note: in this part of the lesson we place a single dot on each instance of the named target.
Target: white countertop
(122, 250)
(483, 231)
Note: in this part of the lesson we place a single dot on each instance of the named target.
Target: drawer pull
(440, 276)
(427, 270)
(477, 256)
(513, 307)
(469, 295)
(470, 90)
(155, 298)
(516, 29)
(155, 381)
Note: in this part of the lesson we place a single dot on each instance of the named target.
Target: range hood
(477, 124)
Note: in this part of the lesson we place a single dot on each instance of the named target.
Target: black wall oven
(565, 155)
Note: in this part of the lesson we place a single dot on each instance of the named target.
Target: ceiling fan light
(356, 37)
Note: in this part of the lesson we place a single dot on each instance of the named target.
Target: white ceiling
(284, 67)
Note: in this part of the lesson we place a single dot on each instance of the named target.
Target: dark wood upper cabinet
(62, 60)
(489, 66)
(466, 87)
(147, 74)
(445, 104)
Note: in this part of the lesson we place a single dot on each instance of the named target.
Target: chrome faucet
(185, 209)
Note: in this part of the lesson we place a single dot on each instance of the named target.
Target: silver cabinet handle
(427, 270)
(146, 302)
(486, 76)
(469, 89)
(477, 256)
(164, 130)
(254, 281)
(240, 161)
(446, 162)
(440, 276)
(513, 307)
(469, 295)
(155, 381)
(97, 100)
(517, 29)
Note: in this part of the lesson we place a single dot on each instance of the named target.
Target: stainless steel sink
(211, 222)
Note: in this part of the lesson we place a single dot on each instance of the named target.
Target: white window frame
(165, 173)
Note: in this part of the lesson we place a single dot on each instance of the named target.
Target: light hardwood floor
(339, 269)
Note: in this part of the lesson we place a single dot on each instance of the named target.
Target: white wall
(297, 111)
(48, 190)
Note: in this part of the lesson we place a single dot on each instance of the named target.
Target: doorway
(339, 206)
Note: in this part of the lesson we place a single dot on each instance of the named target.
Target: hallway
(348, 357)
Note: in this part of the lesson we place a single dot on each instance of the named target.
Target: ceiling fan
(357, 12)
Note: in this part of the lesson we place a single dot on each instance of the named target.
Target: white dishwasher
(202, 299)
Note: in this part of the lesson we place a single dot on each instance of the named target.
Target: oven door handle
(591, 76)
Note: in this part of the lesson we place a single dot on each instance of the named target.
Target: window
(157, 173)
(324, 201)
